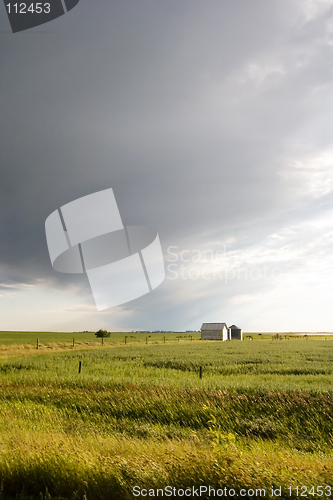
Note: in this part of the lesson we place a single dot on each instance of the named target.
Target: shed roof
(234, 327)
(213, 326)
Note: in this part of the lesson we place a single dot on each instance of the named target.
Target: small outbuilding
(214, 331)
(220, 331)
(235, 332)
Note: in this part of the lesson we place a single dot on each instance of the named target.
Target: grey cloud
(188, 110)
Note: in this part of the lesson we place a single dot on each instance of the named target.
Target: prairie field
(138, 414)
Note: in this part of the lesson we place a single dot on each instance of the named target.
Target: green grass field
(27, 338)
(139, 415)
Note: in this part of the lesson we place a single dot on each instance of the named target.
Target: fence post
(102, 340)
(146, 340)
(200, 372)
(191, 338)
(80, 366)
(164, 339)
(37, 344)
(73, 342)
(125, 340)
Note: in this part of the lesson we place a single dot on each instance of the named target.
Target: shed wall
(211, 334)
(236, 333)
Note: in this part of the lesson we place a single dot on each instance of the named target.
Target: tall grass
(261, 416)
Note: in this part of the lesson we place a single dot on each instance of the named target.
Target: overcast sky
(212, 122)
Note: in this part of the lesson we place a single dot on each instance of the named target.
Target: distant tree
(102, 333)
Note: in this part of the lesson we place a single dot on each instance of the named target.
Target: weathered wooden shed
(235, 332)
(214, 331)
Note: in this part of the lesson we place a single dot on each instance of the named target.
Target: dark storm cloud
(188, 110)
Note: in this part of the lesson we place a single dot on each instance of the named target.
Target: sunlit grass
(138, 414)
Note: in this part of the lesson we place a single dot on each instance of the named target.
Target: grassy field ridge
(138, 414)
